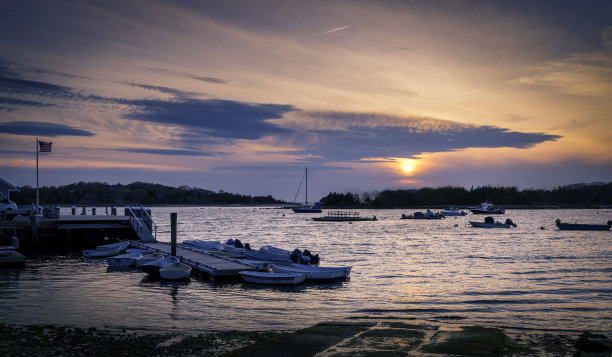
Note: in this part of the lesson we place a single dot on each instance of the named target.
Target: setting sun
(407, 165)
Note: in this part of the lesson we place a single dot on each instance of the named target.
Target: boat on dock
(343, 216)
(427, 215)
(491, 223)
(582, 226)
(487, 208)
(266, 278)
(175, 271)
(107, 250)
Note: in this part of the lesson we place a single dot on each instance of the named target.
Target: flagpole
(37, 176)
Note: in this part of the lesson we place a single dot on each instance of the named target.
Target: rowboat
(175, 271)
(346, 270)
(107, 250)
(583, 226)
(123, 260)
(149, 258)
(342, 216)
(272, 278)
(313, 272)
(152, 268)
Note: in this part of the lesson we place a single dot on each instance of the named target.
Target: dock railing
(143, 232)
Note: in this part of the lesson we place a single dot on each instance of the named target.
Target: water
(434, 270)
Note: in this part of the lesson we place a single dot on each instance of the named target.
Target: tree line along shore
(97, 193)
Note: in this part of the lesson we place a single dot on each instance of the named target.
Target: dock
(203, 262)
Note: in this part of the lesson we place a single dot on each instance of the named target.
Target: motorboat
(453, 211)
(108, 250)
(342, 216)
(427, 215)
(149, 258)
(491, 223)
(152, 268)
(487, 208)
(272, 278)
(123, 260)
(583, 226)
(175, 271)
(283, 259)
(313, 272)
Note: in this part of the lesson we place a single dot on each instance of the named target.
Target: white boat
(453, 211)
(175, 271)
(259, 264)
(123, 260)
(107, 250)
(272, 278)
(268, 257)
(149, 258)
(312, 272)
(316, 208)
(487, 208)
(152, 268)
(346, 270)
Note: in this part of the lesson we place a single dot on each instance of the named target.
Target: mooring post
(173, 234)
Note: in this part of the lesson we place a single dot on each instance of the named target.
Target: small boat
(487, 208)
(583, 226)
(453, 211)
(108, 250)
(149, 258)
(11, 258)
(259, 264)
(491, 223)
(427, 215)
(283, 259)
(316, 208)
(123, 260)
(343, 216)
(314, 272)
(152, 268)
(175, 271)
(272, 278)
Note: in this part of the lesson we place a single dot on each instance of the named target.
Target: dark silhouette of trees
(98, 193)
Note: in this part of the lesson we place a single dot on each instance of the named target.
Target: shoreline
(367, 336)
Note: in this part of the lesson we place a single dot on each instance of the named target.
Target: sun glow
(407, 165)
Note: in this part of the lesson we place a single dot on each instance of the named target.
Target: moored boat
(152, 268)
(313, 272)
(123, 260)
(283, 259)
(175, 271)
(11, 258)
(453, 211)
(491, 223)
(342, 216)
(427, 215)
(487, 208)
(149, 258)
(272, 278)
(583, 226)
(107, 250)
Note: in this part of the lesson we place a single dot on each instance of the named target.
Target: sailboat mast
(306, 186)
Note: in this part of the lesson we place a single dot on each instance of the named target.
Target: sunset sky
(241, 96)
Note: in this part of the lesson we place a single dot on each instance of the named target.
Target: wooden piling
(173, 234)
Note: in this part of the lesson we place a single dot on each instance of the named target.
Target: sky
(241, 96)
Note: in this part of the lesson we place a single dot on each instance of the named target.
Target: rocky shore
(366, 337)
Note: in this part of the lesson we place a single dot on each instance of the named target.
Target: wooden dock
(212, 265)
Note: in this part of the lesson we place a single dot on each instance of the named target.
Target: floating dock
(204, 262)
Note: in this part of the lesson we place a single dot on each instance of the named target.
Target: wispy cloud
(34, 128)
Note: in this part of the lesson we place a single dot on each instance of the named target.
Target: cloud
(34, 128)
(197, 77)
(169, 152)
(21, 102)
(166, 90)
(216, 118)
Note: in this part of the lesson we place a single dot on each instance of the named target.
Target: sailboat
(316, 208)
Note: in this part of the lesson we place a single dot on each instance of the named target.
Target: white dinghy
(272, 278)
(175, 271)
(314, 272)
(123, 260)
(149, 258)
(107, 250)
(152, 268)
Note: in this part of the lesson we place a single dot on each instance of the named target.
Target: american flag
(45, 146)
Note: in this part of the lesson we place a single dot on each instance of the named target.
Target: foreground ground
(346, 338)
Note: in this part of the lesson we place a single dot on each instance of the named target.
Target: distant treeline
(588, 195)
(97, 193)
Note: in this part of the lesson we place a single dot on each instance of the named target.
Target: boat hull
(307, 210)
(123, 260)
(175, 271)
(489, 225)
(582, 227)
(493, 211)
(313, 273)
(272, 278)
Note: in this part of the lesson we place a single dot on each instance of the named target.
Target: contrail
(330, 31)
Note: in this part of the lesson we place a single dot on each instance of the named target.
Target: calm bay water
(434, 270)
